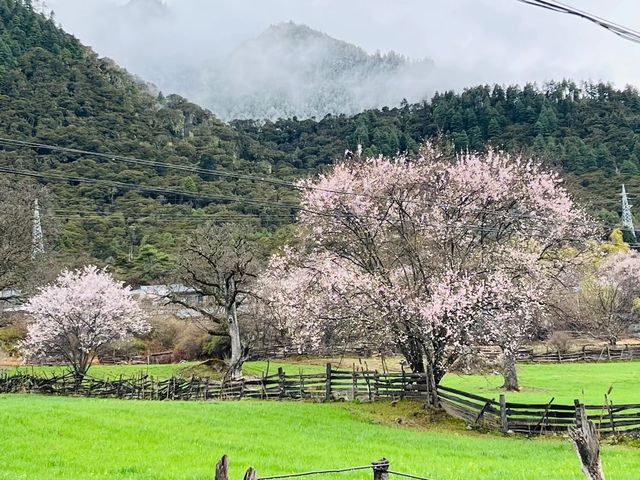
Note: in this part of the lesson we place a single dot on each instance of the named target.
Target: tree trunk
(413, 353)
(510, 373)
(237, 351)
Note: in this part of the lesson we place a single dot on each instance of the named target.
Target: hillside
(292, 70)
(132, 214)
(55, 91)
(590, 132)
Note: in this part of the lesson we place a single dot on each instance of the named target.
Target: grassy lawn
(179, 369)
(566, 382)
(110, 371)
(55, 438)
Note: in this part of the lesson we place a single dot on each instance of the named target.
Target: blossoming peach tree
(79, 313)
(607, 300)
(431, 254)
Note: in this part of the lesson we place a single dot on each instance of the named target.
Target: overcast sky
(470, 41)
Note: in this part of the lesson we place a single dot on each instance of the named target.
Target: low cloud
(470, 41)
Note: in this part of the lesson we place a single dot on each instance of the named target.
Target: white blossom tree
(429, 252)
(78, 313)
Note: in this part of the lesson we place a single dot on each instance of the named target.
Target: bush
(216, 347)
(189, 344)
(561, 341)
(10, 337)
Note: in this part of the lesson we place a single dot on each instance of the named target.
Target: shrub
(561, 341)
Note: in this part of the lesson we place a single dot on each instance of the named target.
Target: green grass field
(110, 371)
(567, 381)
(55, 438)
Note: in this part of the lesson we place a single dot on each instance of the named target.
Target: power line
(185, 168)
(482, 228)
(133, 186)
(109, 156)
(559, 7)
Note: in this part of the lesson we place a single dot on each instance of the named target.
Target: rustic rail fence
(585, 354)
(537, 418)
(380, 470)
(333, 384)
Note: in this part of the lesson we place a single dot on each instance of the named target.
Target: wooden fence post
(578, 408)
(380, 469)
(327, 385)
(222, 469)
(301, 386)
(354, 383)
(585, 438)
(281, 380)
(504, 420)
(250, 474)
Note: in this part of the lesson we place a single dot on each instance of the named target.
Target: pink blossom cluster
(81, 311)
(446, 250)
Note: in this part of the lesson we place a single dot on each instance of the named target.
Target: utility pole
(37, 241)
(627, 218)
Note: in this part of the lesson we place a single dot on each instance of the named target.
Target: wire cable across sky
(559, 7)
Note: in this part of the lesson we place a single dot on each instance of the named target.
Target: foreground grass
(57, 438)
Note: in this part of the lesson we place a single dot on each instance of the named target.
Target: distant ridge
(293, 70)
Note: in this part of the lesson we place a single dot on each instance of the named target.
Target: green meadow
(58, 438)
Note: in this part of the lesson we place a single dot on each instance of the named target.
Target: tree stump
(585, 438)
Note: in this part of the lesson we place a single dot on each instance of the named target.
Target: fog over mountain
(293, 70)
(241, 58)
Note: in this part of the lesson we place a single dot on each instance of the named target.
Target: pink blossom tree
(78, 313)
(430, 252)
(608, 296)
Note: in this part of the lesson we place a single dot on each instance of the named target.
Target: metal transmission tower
(627, 218)
(37, 241)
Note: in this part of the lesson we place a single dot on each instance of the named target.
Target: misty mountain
(293, 70)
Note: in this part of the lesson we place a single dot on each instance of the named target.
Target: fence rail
(536, 418)
(379, 468)
(533, 418)
(585, 354)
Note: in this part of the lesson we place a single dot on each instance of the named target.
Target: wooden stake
(381, 469)
(222, 469)
(585, 439)
(250, 474)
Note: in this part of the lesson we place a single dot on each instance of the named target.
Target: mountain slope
(293, 70)
(55, 91)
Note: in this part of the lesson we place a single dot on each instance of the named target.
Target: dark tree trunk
(414, 352)
(510, 373)
(414, 355)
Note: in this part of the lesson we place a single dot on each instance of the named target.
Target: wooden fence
(537, 418)
(331, 384)
(379, 468)
(585, 354)
(534, 418)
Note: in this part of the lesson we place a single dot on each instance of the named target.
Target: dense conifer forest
(132, 212)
